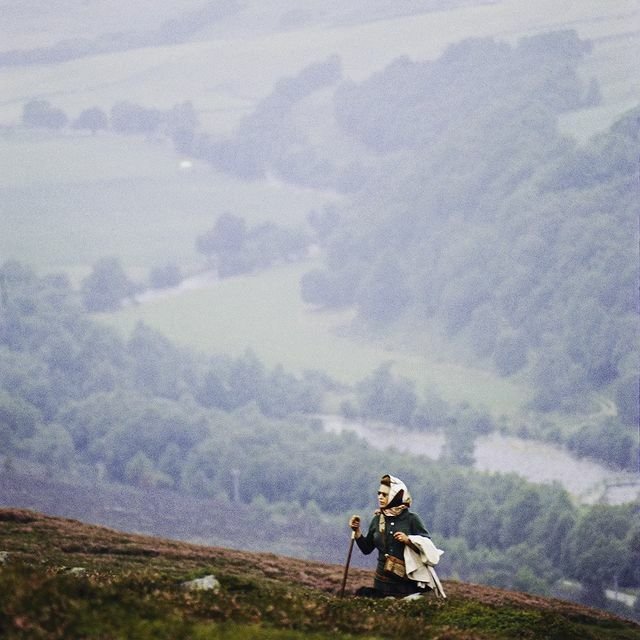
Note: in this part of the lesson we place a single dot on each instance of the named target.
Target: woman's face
(383, 495)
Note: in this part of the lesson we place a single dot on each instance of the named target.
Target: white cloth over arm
(419, 564)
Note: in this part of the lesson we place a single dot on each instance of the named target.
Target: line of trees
(265, 141)
(178, 123)
(232, 248)
(229, 247)
(108, 286)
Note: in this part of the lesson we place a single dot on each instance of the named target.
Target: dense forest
(80, 399)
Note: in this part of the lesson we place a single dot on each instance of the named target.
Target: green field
(71, 199)
(264, 313)
(238, 62)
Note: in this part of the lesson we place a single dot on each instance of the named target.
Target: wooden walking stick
(346, 566)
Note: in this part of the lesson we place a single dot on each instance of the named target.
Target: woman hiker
(406, 554)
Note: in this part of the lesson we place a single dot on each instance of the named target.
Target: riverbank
(587, 480)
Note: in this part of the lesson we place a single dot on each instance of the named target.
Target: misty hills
(99, 582)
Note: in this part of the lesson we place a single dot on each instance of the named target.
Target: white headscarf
(403, 503)
(396, 487)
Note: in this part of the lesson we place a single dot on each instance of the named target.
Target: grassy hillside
(237, 60)
(66, 579)
(69, 200)
(264, 313)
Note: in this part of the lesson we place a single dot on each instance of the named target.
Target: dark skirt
(385, 585)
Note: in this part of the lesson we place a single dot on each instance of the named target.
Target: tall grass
(131, 588)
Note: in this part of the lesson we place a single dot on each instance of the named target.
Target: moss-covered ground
(65, 579)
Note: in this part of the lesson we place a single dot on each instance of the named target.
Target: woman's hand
(401, 537)
(354, 523)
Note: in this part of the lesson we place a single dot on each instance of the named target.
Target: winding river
(586, 479)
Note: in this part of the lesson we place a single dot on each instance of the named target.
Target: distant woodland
(488, 223)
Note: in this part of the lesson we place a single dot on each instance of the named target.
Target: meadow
(71, 199)
(264, 313)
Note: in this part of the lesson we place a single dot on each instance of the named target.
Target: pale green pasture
(33, 157)
(39, 23)
(584, 124)
(264, 313)
(68, 200)
(225, 76)
(612, 63)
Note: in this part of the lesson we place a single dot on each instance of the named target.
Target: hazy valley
(221, 221)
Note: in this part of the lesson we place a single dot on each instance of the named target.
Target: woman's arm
(366, 543)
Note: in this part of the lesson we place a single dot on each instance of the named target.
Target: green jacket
(407, 522)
